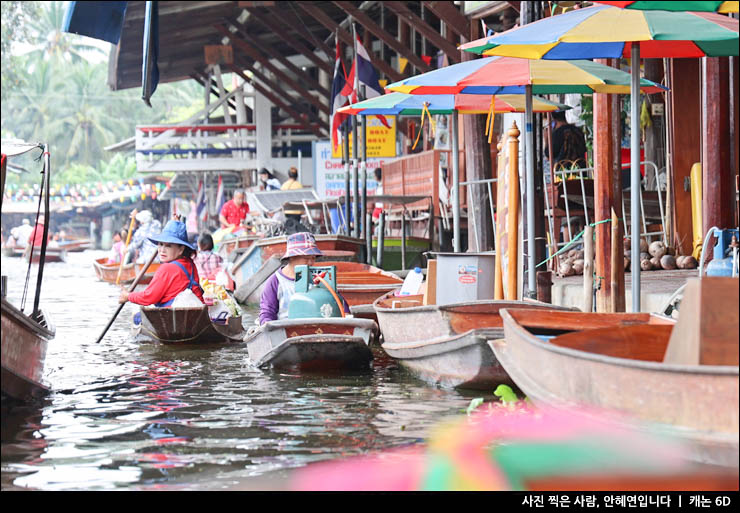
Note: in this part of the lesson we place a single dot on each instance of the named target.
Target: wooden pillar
(603, 196)
(477, 167)
(617, 285)
(717, 177)
(686, 148)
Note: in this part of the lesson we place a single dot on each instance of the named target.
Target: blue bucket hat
(175, 233)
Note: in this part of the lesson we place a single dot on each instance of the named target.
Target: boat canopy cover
(14, 147)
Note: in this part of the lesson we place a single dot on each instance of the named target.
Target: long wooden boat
(333, 247)
(24, 343)
(359, 284)
(76, 245)
(227, 246)
(446, 344)
(185, 326)
(615, 363)
(312, 344)
(109, 272)
(13, 251)
(52, 254)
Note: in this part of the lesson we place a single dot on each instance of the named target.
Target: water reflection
(145, 417)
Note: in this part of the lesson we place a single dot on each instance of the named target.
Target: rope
(425, 111)
(574, 240)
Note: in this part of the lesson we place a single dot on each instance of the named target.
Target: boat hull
(109, 272)
(52, 255)
(446, 345)
(312, 344)
(698, 404)
(185, 326)
(24, 344)
(334, 247)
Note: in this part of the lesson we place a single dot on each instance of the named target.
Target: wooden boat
(24, 338)
(446, 344)
(109, 272)
(24, 342)
(185, 326)
(52, 254)
(334, 247)
(622, 363)
(359, 284)
(312, 344)
(76, 245)
(13, 251)
(227, 246)
(147, 277)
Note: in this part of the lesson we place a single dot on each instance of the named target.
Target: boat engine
(725, 258)
(315, 293)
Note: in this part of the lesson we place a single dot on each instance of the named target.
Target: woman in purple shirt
(301, 249)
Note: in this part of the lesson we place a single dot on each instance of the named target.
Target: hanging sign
(381, 141)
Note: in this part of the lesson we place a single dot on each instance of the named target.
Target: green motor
(312, 299)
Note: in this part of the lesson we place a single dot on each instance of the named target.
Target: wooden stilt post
(588, 269)
(512, 214)
(603, 200)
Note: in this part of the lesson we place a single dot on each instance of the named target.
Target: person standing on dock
(568, 144)
(234, 211)
(268, 182)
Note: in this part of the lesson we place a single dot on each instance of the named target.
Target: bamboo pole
(588, 269)
(128, 240)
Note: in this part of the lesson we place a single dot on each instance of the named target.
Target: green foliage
(59, 95)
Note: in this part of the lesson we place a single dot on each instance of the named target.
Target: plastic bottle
(412, 283)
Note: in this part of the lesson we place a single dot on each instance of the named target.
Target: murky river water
(144, 417)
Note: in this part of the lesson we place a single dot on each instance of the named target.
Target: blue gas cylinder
(311, 299)
(722, 261)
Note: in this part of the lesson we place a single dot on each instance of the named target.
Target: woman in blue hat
(177, 271)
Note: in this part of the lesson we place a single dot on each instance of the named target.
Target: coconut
(578, 266)
(566, 268)
(668, 262)
(656, 262)
(646, 265)
(690, 262)
(626, 263)
(572, 253)
(644, 256)
(657, 249)
(643, 245)
(679, 261)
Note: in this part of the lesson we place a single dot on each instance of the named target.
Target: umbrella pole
(355, 181)
(531, 277)
(454, 158)
(635, 175)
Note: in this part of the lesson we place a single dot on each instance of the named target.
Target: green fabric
(685, 26)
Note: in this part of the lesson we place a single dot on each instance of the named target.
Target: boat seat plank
(646, 342)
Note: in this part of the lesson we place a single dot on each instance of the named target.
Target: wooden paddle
(128, 239)
(130, 289)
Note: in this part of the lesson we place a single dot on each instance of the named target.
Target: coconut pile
(654, 256)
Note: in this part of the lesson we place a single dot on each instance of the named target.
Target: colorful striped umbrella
(603, 31)
(498, 75)
(686, 5)
(392, 104)
(507, 75)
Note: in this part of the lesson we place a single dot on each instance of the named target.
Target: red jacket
(168, 282)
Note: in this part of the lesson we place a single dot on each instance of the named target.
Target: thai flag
(219, 195)
(363, 74)
(201, 203)
(338, 97)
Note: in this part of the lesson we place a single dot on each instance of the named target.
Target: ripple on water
(125, 416)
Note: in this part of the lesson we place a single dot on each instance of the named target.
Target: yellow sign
(381, 141)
